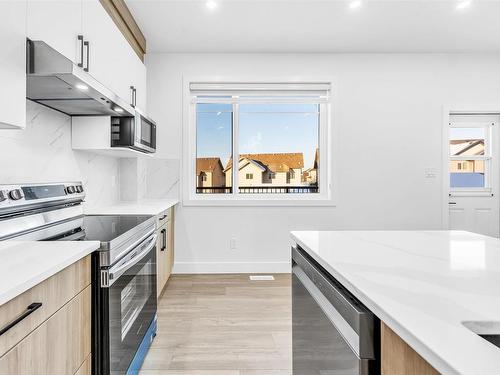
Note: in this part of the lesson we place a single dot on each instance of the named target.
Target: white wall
(389, 119)
(42, 153)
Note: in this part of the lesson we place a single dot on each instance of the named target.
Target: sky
(263, 128)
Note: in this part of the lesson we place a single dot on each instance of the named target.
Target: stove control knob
(70, 190)
(3, 196)
(79, 189)
(15, 194)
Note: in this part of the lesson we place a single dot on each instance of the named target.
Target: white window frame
(327, 170)
(487, 158)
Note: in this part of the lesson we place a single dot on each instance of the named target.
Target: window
(470, 156)
(204, 177)
(258, 140)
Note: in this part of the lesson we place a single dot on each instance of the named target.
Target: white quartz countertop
(423, 285)
(24, 264)
(142, 207)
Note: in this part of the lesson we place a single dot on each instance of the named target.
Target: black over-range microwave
(136, 132)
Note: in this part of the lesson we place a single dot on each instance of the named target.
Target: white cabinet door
(112, 61)
(58, 23)
(13, 63)
(139, 80)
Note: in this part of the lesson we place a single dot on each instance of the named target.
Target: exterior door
(473, 174)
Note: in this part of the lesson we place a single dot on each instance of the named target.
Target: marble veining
(435, 289)
(43, 153)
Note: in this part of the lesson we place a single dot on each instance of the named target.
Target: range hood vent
(56, 82)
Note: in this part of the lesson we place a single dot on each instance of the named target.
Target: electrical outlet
(232, 243)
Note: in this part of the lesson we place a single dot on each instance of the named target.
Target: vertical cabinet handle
(80, 40)
(87, 46)
(163, 239)
(133, 102)
(29, 310)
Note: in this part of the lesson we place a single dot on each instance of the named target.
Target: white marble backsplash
(42, 153)
(149, 178)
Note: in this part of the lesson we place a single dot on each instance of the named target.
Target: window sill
(294, 202)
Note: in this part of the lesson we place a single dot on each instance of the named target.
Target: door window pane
(279, 146)
(467, 141)
(467, 173)
(214, 127)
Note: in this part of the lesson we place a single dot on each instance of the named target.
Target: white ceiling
(318, 26)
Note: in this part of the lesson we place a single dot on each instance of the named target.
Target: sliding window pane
(278, 148)
(214, 129)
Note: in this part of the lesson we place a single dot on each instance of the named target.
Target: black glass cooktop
(105, 228)
(102, 228)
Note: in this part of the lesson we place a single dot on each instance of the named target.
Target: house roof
(277, 162)
(207, 164)
(467, 147)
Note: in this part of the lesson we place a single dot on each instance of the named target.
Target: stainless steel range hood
(56, 82)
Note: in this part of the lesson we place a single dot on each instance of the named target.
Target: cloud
(254, 144)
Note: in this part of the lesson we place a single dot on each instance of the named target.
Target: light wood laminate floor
(222, 325)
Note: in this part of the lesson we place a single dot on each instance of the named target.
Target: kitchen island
(432, 289)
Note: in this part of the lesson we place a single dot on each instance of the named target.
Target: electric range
(123, 268)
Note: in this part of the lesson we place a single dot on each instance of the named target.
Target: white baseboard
(231, 267)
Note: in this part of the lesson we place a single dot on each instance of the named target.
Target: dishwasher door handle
(359, 319)
(342, 326)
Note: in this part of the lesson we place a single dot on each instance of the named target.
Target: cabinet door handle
(133, 99)
(163, 217)
(80, 39)
(87, 46)
(29, 310)
(163, 239)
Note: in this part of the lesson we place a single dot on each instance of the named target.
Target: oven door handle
(114, 274)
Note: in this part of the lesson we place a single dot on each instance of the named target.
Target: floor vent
(261, 278)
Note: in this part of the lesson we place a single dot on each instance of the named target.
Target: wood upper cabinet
(58, 23)
(13, 63)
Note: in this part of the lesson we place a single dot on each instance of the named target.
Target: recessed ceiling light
(211, 4)
(81, 86)
(118, 109)
(464, 4)
(354, 4)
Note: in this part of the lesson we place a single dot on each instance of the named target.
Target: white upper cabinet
(13, 63)
(58, 23)
(112, 61)
(104, 52)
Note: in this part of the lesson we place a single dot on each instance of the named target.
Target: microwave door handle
(115, 274)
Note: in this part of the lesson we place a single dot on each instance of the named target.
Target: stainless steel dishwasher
(333, 332)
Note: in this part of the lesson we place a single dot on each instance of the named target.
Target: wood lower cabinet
(56, 338)
(398, 358)
(164, 248)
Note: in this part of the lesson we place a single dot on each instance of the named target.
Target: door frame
(450, 110)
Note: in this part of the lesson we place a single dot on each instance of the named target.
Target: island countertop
(423, 285)
(24, 264)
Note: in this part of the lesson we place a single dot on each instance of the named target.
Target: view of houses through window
(469, 156)
(278, 148)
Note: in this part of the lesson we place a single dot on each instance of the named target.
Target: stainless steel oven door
(326, 335)
(131, 304)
